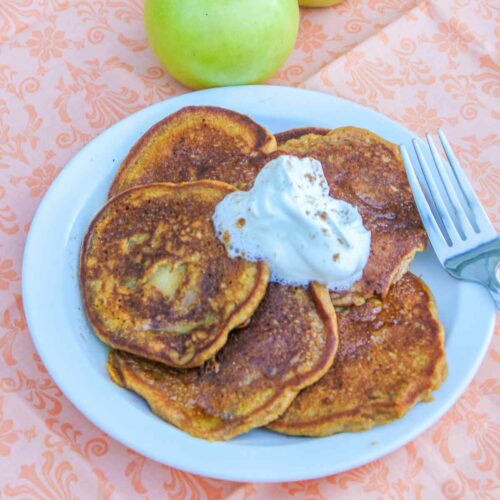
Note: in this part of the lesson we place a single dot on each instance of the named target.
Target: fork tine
(481, 219)
(464, 222)
(435, 235)
(436, 196)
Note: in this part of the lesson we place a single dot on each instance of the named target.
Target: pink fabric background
(71, 68)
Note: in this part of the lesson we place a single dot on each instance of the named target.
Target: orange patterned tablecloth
(71, 68)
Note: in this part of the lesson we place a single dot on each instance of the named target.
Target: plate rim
(207, 469)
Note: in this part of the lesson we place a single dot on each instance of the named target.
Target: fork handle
(494, 289)
(493, 264)
(480, 264)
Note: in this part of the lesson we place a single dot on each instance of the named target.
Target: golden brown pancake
(390, 356)
(197, 142)
(157, 282)
(289, 344)
(366, 171)
(297, 133)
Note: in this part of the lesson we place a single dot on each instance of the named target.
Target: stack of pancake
(206, 340)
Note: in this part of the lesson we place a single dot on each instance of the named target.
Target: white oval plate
(76, 359)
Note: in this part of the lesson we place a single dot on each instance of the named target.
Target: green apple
(209, 43)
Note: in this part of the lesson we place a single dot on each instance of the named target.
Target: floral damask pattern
(50, 481)
(8, 434)
(71, 68)
(47, 43)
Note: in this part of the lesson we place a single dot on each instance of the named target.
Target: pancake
(390, 356)
(197, 142)
(289, 344)
(158, 283)
(366, 171)
(297, 133)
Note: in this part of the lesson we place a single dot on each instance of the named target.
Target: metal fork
(459, 230)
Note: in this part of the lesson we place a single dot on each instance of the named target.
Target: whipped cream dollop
(289, 220)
